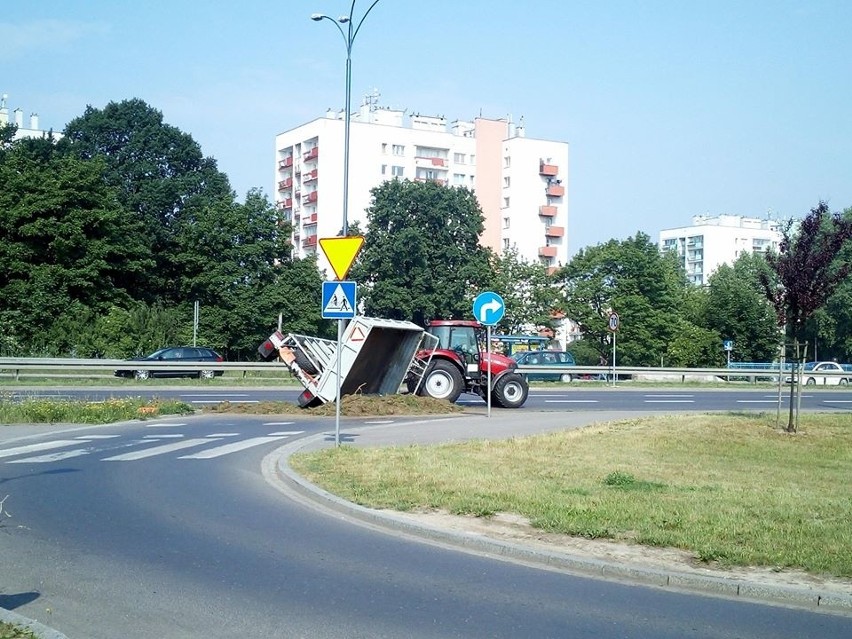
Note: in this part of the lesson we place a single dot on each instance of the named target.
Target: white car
(811, 374)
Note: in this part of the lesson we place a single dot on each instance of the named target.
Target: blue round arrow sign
(488, 308)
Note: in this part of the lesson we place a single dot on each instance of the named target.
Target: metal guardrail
(58, 366)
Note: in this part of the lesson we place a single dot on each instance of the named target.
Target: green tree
(527, 289)
(421, 257)
(160, 175)
(64, 244)
(737, 309)
(646, 288)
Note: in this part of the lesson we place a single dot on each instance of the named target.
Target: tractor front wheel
(442, 380)
(510, 391)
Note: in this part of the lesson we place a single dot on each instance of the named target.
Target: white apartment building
(31, 131)
(520, 182)
(713, 241)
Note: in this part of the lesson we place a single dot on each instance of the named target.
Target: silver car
(811, 374)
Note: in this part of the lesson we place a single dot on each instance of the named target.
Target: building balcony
(547, 211)
(310, 176)
(555, 190)
(310, 197)
(554, 231)
(285, 184)
(311, 155)
(548, 170)
(310, 240)
(430, 161)
(547, 251)
(286, 163)
(310, 219)
(551, 270)
(435, 180)
(286, 203)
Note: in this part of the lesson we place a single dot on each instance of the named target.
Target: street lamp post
(348, 39)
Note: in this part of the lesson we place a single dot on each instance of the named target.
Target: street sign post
(488, 309)
(340, 303)
(612, 325)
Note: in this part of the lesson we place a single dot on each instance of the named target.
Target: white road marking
(158, 450)
(381, 421)
(231, 448)
(51, 457)
(757, 401)
(570, 401)
(837, 401)
(32, 448)
(164, 425)
(87, 437)
(669, 401)
(675, 396)
(164, 436)
(286, 433)
(223, 435)
(278, 423)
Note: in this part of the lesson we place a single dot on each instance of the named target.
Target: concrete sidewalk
(759, 585)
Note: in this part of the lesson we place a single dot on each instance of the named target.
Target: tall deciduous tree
(806, 272)
(643, 286)
(160, 175)
(737, 310)
(421, 257)
(529, 292)
(64, 244)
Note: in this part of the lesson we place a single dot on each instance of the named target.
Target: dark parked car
(192, 356)
(546, 358)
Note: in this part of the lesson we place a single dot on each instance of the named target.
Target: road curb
(38, 629)
(277, 470)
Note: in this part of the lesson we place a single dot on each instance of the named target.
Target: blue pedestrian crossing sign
(338, 300)
(488, 308)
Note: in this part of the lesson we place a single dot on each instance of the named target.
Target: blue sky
(671, 108)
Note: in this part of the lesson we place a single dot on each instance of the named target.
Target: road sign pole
(337, 394)
(488, 354)
(613, 358)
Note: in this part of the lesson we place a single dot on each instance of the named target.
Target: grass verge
(10, 631)
(730, 489)
(41, 411)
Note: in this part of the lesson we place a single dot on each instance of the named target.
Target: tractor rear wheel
(510, 391)
(442, 380)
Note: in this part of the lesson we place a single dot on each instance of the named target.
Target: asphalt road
(575, 397)
(169, 529)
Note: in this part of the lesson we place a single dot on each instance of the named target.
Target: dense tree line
(110, 235)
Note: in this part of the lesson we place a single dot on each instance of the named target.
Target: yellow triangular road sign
(341, 252)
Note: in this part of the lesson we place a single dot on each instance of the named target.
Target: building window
(505, 222)
(384, 169)
(506, 245)
(505, 203)
(507, 162)
(458, 158)
(398, 149)
(458, 179)
(384, 148)
(506, 182)
(397, 171)
(472, 158)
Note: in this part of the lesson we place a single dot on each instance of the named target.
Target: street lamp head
(316, 17)
(344, 19)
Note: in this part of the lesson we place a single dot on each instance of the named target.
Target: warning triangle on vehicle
(341, 252)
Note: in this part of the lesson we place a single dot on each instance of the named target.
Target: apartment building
(520, 182)
(713, 241)
(32, 129)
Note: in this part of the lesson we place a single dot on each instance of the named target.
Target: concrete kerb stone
(39, 630)
(277, 470)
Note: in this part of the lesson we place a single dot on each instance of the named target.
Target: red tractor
(460, 364)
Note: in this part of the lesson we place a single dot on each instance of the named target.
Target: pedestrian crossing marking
(32, 448)
(51, 457)
(158, 450)
(231, 448)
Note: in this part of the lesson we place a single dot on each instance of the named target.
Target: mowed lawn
(729, 488)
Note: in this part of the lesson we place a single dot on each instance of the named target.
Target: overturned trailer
(376, 357)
